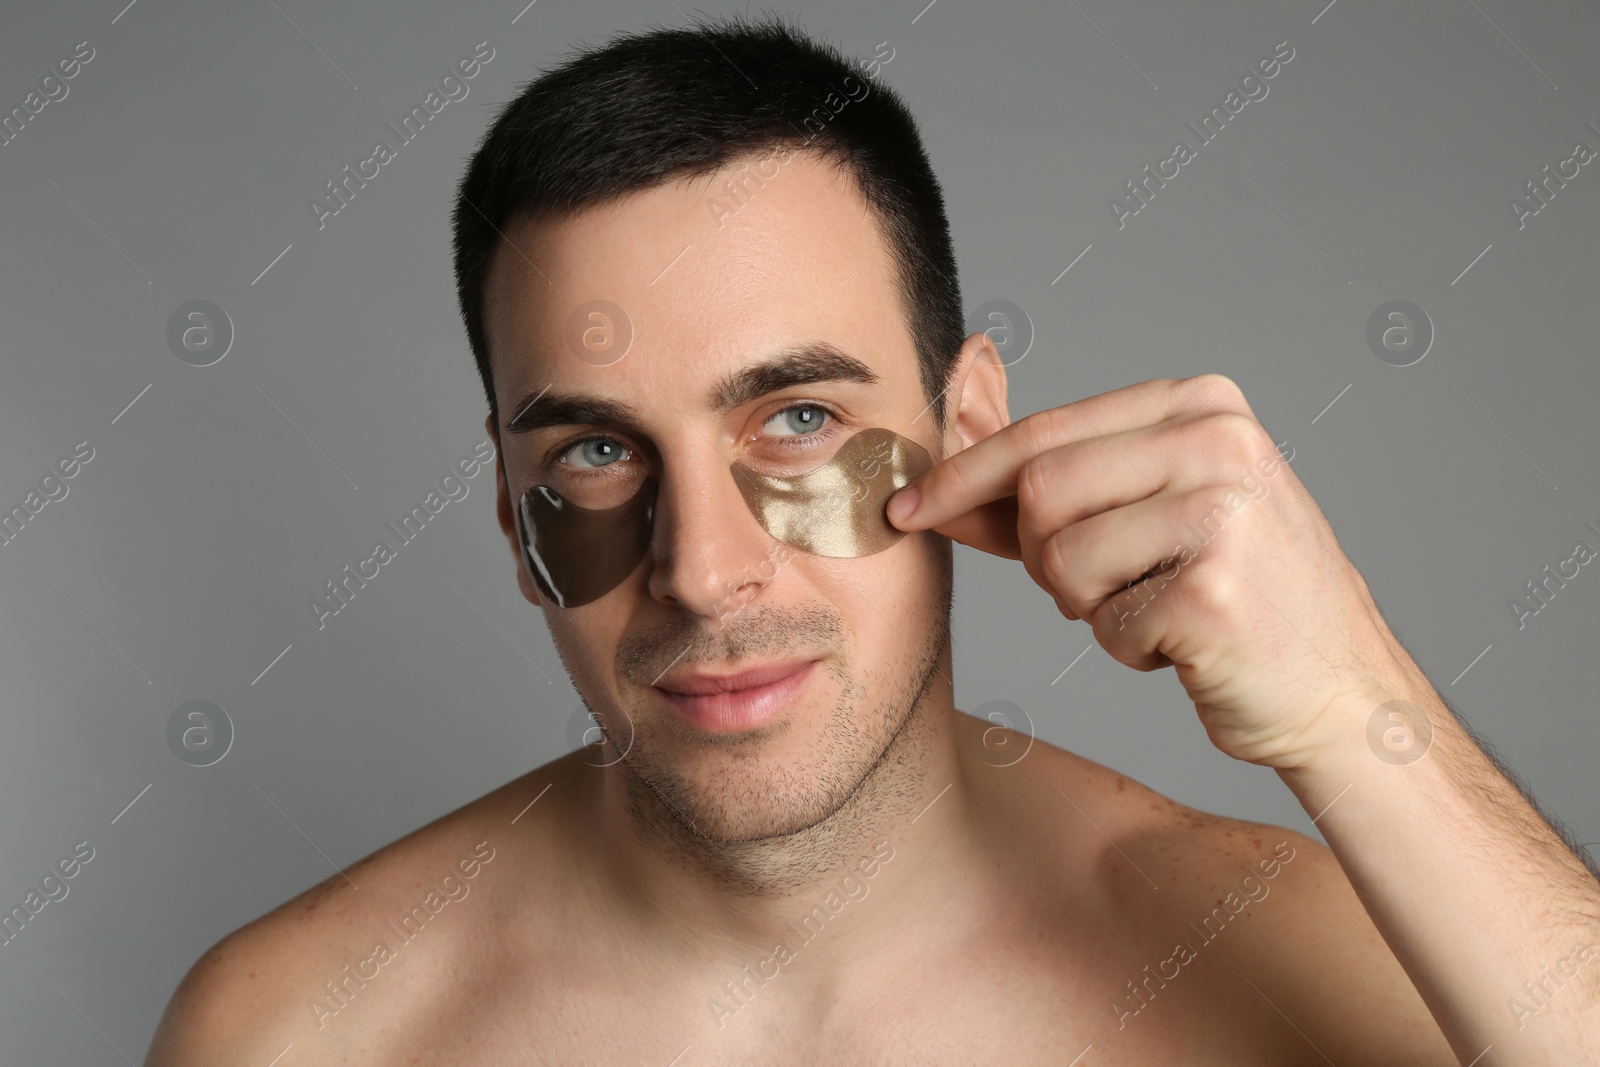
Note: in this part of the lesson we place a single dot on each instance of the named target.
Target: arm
(1494, 918)
(1162, 515)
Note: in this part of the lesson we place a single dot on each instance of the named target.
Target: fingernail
(903, 504)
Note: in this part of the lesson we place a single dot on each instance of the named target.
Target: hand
(1163, 514)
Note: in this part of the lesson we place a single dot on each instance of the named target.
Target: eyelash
(809, 438)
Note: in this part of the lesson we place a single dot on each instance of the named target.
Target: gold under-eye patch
(577, 555)
(837, 509)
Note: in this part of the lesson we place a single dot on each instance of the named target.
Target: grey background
(180, 563)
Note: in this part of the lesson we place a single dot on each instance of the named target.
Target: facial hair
(763, 823)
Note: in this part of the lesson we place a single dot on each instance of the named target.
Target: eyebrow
(802, 364)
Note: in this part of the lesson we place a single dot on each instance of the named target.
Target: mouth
(733, 702)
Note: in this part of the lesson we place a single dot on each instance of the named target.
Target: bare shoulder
(1264, 912)
(1149, 852)
(318, 973)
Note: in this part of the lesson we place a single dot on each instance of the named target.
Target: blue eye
(595, 452)
(801, 418)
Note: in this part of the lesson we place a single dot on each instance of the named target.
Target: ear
(975, 404)
(503, 512)
(975, 408)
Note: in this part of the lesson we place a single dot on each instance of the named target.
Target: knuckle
(1042, 430)
(1033, 481)
(1211, 517)
(1239, 437)
(1057, 575)
(1217, 589)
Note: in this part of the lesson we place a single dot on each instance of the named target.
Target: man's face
(708, 297)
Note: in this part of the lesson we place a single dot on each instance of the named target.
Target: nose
(709, 554)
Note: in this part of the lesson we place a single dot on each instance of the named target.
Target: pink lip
(727, 703)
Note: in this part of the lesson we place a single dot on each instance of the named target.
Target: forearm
(1473, 892)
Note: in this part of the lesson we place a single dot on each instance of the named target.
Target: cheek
(587, 641)
(888, 600)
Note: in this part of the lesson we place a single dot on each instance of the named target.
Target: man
(693, 264)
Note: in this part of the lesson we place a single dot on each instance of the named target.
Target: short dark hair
(670, 103)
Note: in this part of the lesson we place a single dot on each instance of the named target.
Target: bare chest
(930, 1007)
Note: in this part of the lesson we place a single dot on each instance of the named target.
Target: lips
(735, 703)
(690, 684)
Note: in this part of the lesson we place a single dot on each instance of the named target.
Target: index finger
(987, 470)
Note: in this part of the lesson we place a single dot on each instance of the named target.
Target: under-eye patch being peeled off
(838, 509)
(577, 554)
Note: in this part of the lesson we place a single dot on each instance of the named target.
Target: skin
(1015, 901)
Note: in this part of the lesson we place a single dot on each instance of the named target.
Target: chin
(775, 781)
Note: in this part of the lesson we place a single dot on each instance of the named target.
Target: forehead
(707, 274)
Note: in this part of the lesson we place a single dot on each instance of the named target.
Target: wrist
(1377, 729)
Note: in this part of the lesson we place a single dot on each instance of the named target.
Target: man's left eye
(799, 419)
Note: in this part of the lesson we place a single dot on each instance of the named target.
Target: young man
(698, 270)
